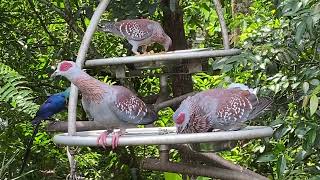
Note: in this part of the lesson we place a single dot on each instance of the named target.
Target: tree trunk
(238, 6)
(173, 17)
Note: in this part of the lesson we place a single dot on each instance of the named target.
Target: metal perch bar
(143, 136)
(169, 56)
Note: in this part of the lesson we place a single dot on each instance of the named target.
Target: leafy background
(281, 53)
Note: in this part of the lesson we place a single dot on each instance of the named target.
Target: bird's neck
(90, 88)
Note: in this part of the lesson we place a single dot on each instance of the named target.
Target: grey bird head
(67, 69)
(182, 115)
(106, 26)
(168, 42)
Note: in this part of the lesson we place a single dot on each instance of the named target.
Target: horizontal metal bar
(168, 56)
(152, 136)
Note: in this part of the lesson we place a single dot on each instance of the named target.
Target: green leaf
(315, 82)
(316, 90)
(317, 177)
(172, 176)
(281, 131)
(300, 31)
(305, 102)
(267, 157)
(281, 166)
(305, 87)
(310, 139)
(300, 156)
(313, 104)
(300, 132)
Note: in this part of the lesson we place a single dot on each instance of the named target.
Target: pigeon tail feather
(149, 119)
(263, 104)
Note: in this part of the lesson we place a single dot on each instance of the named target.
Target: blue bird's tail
(29, 145)
(36, 120)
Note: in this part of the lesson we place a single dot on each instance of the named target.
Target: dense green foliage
(281, 55)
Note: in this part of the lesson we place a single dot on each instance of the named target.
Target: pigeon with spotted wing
(106, 104)
(138, 32)
(219, 109)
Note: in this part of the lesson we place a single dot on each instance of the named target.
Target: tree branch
(198, 170)
(215, 160)
(223, 25)
(62, 126)
(171, 102)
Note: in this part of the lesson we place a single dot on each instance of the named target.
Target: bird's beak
(54, 74)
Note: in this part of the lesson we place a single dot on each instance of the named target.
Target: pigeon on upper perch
(219, 109)
(139, 32)
(115, 106)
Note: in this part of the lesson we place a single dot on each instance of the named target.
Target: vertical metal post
(164, 153)
(72, 107)
(163, 94)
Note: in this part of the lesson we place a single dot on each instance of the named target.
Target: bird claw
(102, 139)
(115, 138)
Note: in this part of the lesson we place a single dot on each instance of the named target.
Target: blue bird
(54, 104)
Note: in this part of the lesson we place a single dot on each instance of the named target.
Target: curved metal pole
(224, 29)
(72, 107)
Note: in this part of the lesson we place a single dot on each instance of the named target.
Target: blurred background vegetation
(281, 57)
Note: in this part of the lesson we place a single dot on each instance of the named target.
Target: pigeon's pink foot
(115, 138)
(102, 139)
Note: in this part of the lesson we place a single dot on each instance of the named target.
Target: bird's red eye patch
(65, 66)
(180, 118)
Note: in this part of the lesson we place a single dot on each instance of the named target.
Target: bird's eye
(65, 66)
(180, 118)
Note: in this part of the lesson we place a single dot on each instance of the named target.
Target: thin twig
(55, 8)
(42, 23)
(171, 102)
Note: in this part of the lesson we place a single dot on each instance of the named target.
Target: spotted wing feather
(234, 108)
(136, 30)
(131, 109)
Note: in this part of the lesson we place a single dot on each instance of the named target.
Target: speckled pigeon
(106, 104)
(139, 32)
(219, 109)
